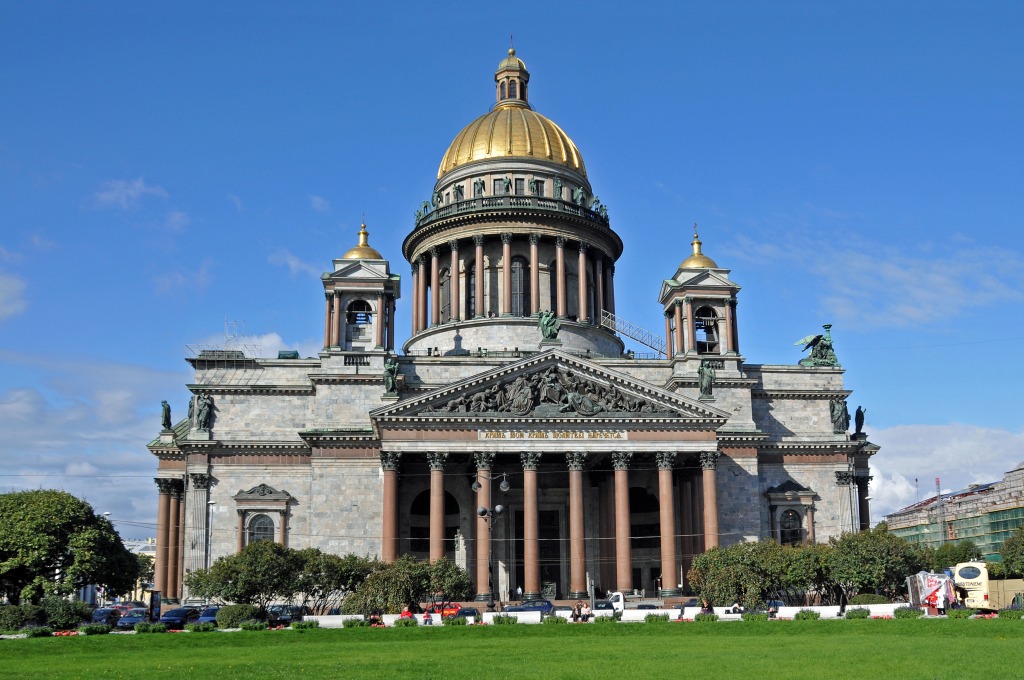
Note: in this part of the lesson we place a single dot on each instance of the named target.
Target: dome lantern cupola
(510, 81)
(698, 260)
(362, 251)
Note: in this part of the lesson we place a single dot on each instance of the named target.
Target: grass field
(868, 650)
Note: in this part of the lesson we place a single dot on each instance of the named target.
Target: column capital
(530, 459)
(862, 481)
(437, 459)
(844, 477)
(584, 246)
(483, 460)
(434, 252)
(620, 459)
(328, 295)
(506, 238)
(576, 459)
(534, 238)
(164, 485)
(421, 261)
(560, 242)
(709, 459)
(669, 313)
(240, 511)
(200, 480)
(666, 459)
(478, 239)
(454, 245)
(389, 460)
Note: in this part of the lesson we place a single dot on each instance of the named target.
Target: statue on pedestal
(549, 325)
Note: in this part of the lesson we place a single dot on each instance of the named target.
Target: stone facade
(609, 467)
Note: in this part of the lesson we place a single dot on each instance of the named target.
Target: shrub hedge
(253, 625)
(907, 613)
(454, 621)
(807, 615)
(11, 617)
(604, 620)
(64, 614)
(506, 620)
(406, 623)
(305, 625)
(205, 627)
(706, 617)
(145, 627)
(960, 613)
(869, 598)
(858, 613)
(754, 616)
(233, 615)
(41, 631)
(656, 618)
(1011, 613)
(94, 629)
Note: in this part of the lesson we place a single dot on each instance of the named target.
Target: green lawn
(867, 650)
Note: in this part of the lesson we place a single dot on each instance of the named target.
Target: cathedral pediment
(358, 269)
(552, 386)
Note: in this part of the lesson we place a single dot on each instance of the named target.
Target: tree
(749, 573)
(1012, 553)
(951, 554)
(449, 581)
(873, 561)
(390, 587)
(261, 573)
(54, 543)
(326, 579)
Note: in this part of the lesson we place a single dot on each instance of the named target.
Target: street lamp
(488, 515)
(504, 485)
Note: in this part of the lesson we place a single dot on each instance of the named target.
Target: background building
(986, 514)
(513, 390)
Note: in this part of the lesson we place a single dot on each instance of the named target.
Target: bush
(94, 629)
(1011, 614)
(205, 627)
(754, 616)
(907, 613)
(361, 623)
(656, 618)
(11, 617)
(807, 615)
(406, 623)
(41, 631)
(604, 620)
(253, 625)
(706, 617)
(506, 620)
(858, 613)
(961, 613)
(64, 614)
(869, 598)
(305, 625)
(455, 621)
(144, 627)
(234, 615)
(34, 615)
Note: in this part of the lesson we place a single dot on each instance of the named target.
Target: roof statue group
(821, 349)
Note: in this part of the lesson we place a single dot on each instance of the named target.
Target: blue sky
(168, 167)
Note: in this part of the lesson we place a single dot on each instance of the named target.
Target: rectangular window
(520, 186)
(499, 187)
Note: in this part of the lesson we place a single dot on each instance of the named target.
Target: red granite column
(623, 551)
(378, 335)
(668, 335)
(611, 289)
(506, 274)
(599, 289)
(534, 275)
(163, 510)
(173, 540)
(282, 536)
(531, 527)
(863, 505)
(709, 461)
(437, 461)
(667, 515)
(483, 528)
(435, 287)
(690, 342)
(478, 290)
(581, 280)
(680, 337)
(456, 298)
(336, 323)
(577, 549)
(389, 530)
(560, 277)
(421, 301)
(730, 348)
(241, 531)
(810, 524)
(327, 320)
(391, 324)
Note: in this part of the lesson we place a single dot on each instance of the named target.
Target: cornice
(798, 394)
(251, 389)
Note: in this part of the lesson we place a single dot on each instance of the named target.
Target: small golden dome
(698, 260)
(508, 132)
(511, 62)
(363, 251)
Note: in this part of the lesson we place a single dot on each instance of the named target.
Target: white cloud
(8, 255)
(12, 296)
(126, 193)
(294, 264)
(176, 220)
(856, 281)
(958, 455)
(237, 202)
(172, 281)
(320, 204)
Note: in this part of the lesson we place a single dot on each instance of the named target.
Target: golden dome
(363, 251)
(698, 260)
(512, 129)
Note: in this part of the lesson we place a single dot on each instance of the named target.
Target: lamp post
(488, 515)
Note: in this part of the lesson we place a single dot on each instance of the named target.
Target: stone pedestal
(549, 344)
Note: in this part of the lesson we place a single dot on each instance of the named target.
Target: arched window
(705, 326)
(520, 287)
(446, 295)
(261, 528)
(512, 90)
(503, 90)
(359, 313)
(790, 528)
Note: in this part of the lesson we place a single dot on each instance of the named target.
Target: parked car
(107, 615)
(137, 615)
(465, 612)
(543, 606)
(445, 609)
(175, 619)
(646, 605)
(603, 606)
(208, 615)
(124, 608)
(286, 613)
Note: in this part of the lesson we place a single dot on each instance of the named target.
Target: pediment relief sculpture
(551, 392)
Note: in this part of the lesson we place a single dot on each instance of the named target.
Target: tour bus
(978, 591)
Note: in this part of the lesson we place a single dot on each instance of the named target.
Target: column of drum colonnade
(167, 565)
(426, 288)
(680, 339)
(575, 461)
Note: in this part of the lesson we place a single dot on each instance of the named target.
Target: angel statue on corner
(820, 345)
